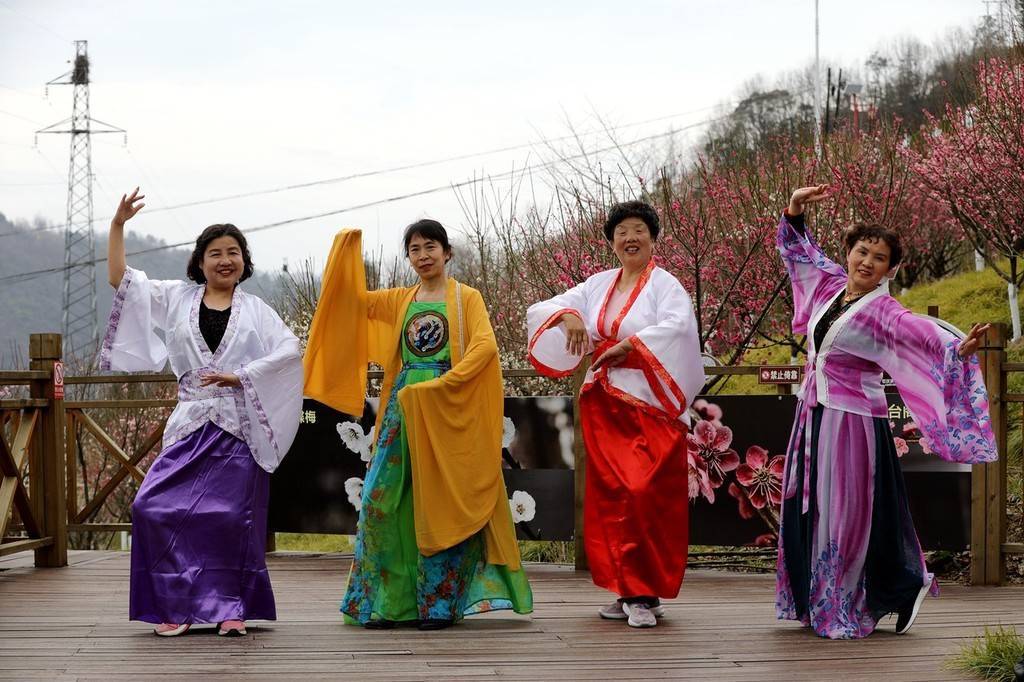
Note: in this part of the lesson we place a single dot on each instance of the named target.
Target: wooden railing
(32, 439)
(989, 547)
(39, 441)
(78, 421)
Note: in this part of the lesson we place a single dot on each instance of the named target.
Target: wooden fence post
(988, 481)
(46, 476)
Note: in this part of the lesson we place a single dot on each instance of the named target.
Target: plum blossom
(698, 482)
(709, 411)
(508, 432)
(747, 510)
(761, 476)
(356, 440)
(524, 507)
(711, 444)
(354, 490)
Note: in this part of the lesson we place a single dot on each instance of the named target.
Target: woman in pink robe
(848, 551)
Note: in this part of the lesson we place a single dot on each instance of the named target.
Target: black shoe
(1018, 669)
(435, 624)
(908, 613)
(379, 624)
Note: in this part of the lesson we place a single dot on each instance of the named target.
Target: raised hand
(969, 346)
(575, 334)
(127, 209)
(807, 196)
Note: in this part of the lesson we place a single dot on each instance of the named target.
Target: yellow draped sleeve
(453, 425)
(336, 352)
(351, 328)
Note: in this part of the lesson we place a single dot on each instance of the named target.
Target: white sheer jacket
(257, 347)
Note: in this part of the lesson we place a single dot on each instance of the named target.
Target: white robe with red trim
(658, 319)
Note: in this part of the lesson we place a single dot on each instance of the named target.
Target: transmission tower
(79, 305)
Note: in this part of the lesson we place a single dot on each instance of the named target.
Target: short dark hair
(874, 232)
(428, 229)
(195, 262)
(632, 209)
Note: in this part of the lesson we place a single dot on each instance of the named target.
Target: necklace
(853, 296)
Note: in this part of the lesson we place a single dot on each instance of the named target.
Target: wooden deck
(70, 624)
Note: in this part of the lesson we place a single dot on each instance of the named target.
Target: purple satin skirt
(199, 534)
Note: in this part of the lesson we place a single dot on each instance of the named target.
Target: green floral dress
(390, 579)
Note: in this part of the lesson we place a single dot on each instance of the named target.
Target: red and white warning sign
(58, 380)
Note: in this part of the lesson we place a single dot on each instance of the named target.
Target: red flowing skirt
(636, 507)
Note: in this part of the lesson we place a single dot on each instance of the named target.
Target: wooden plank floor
(70, 624)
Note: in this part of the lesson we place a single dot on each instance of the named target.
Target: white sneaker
(639, 616)
(614, 611)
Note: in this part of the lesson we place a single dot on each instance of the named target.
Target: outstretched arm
(813, 275)
(126, 210)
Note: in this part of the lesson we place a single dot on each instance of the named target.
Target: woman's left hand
(220, 379)
(969, 346)
(614, 355)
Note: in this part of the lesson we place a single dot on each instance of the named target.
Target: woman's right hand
(576, 340)
(127, 209)
(806, 196)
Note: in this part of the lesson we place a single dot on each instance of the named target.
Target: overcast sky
(226, 97)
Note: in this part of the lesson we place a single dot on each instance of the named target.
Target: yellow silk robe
(453, 423)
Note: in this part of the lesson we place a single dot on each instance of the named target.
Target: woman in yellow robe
(435, 540)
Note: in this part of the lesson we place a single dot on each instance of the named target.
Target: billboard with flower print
(319, 485)
(735, 453)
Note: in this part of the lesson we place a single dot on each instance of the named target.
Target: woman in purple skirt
(199, 520)
(848, 551)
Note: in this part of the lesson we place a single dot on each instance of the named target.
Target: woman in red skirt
(637, 321)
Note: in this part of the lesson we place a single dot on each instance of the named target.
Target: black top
(837, 308)
(213, 324)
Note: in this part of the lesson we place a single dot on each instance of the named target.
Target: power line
(16, 278)
(411, 166)
(19, 116)
(35, 23)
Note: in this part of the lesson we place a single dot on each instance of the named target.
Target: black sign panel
(317, 487)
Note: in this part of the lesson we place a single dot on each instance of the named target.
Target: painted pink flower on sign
(747, 510)
(711, 443)
(761, 476)
(698, 483)
(708, 411)
(901, 446)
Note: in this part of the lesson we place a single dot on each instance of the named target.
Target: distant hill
(35, 305)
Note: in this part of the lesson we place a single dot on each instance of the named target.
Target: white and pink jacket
(945, 393)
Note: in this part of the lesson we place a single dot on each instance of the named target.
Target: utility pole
(817, 86)
(81, 338)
